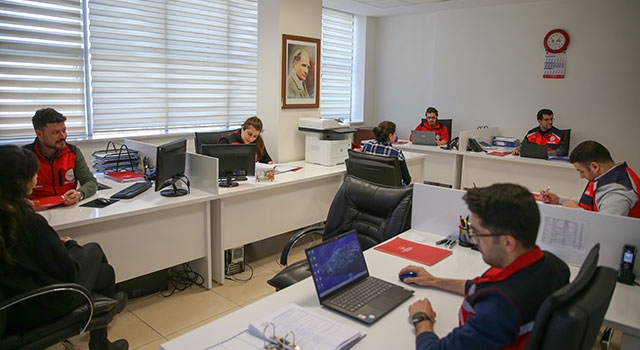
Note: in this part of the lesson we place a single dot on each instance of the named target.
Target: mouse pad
(95, 204)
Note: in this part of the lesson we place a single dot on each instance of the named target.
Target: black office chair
(571, 317)
(206, 138)
(375, 212)
(380, 169)
(95, 312)
(448, 123)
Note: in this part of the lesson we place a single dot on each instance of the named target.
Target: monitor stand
(174, 191)
(227, 182)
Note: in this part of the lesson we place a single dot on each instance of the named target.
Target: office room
(478, 64)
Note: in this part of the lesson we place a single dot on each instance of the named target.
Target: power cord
(236, 279)
(181, 279)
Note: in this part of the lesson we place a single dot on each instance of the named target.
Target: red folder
(47, 202)
(124, 176)
(422, 253)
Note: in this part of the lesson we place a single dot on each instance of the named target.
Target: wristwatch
(419, 317)
(81, 195)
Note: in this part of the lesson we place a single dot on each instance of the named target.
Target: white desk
(441, 166)
(254, 210)
(144, 234)
(393, 331)
(534, 174)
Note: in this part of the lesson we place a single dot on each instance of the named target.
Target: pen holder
(463, 237)
(266, 174)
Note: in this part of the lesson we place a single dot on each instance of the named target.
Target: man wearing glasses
(545, 133)
(499, 307)
(431, 123)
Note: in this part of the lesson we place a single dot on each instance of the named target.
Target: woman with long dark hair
(32, 255)
(250, 132)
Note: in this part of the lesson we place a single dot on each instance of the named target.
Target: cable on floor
(236, 279)
(181, 279)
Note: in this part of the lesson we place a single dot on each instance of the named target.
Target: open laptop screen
(336, 263)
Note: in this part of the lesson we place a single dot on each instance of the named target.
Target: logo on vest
(552, 138)
(69, 175)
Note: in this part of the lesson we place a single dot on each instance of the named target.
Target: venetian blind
(172, 65)
(42, 65)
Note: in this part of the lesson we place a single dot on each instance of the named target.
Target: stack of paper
(312, 331)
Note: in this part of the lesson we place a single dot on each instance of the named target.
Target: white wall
(484, 66)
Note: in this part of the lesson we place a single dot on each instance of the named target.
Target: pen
(452, 244)
(442, 241)
(545, 192)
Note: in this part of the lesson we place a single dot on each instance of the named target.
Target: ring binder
(277, 343)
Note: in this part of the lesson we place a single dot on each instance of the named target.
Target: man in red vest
(612, 188)
(499, 307)
(431, 123)
(62, 164)
(556, 140)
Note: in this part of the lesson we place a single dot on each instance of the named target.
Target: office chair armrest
(53, 288)
(284, 256)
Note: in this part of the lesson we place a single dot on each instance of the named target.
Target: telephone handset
(628, 259)
(473, 145)
(453, 144)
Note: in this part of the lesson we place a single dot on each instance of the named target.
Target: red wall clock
(556, 41)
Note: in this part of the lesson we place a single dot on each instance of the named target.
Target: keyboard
(132, 191)
(357, 296)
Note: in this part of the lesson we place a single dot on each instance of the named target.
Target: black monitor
(233, 161)
(380, 169)
(170, 167)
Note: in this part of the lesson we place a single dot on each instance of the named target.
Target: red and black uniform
(500, 306)
(554, 139)
(235, 138)
(442, 133)
(56, 176)
(620, 174)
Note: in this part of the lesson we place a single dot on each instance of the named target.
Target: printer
(326, 140)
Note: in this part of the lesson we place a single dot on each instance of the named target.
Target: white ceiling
(379, 8)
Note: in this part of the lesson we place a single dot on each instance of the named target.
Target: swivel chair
(375, 212)
(571, 317)
(380, 169)
(446, 122)
(206, 138)
(95, 312)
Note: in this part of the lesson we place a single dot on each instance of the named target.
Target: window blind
(42, 65)
(172, 65)
(337, 64)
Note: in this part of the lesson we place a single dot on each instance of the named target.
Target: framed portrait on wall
(300, 72)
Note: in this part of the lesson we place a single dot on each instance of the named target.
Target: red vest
(55, 177)
(442, 133)
(552, 138)
(620, 174)
(523, 290)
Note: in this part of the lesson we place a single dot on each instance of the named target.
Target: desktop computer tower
(234, 261)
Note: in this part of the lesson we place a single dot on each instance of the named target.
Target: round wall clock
(556, 41)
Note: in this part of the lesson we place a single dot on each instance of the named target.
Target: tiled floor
(150, 321)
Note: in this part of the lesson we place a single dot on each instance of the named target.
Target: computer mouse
(103, 201)
(407, 274)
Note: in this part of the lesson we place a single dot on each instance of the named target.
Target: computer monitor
(233, 161)
(170, 167)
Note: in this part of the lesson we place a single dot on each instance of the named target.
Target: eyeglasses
(432, 117)
(474, 236)
(548, 119)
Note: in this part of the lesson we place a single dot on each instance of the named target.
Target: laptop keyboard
(357, 296)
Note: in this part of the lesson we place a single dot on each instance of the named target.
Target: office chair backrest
(448, 123)
(205, 138)
(571, 317)
(380, 169)
(376, 212)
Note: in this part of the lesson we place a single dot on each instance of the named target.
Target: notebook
(532, 150)
(423, 137)
(343, 283)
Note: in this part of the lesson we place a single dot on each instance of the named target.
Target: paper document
(312, 331)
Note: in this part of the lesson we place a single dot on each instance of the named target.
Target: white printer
(326, 140)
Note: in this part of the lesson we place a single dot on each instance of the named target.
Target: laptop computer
(423, 137)
(532, 150)
(343, 283)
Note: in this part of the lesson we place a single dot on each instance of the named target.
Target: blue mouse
(407, 274)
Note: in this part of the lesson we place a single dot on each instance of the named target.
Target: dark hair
(544, 112)
(45, 116)
(506, 208)
(256, 123)
(431, 110)
(383, 130)
(18, 166)
(590, 151)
